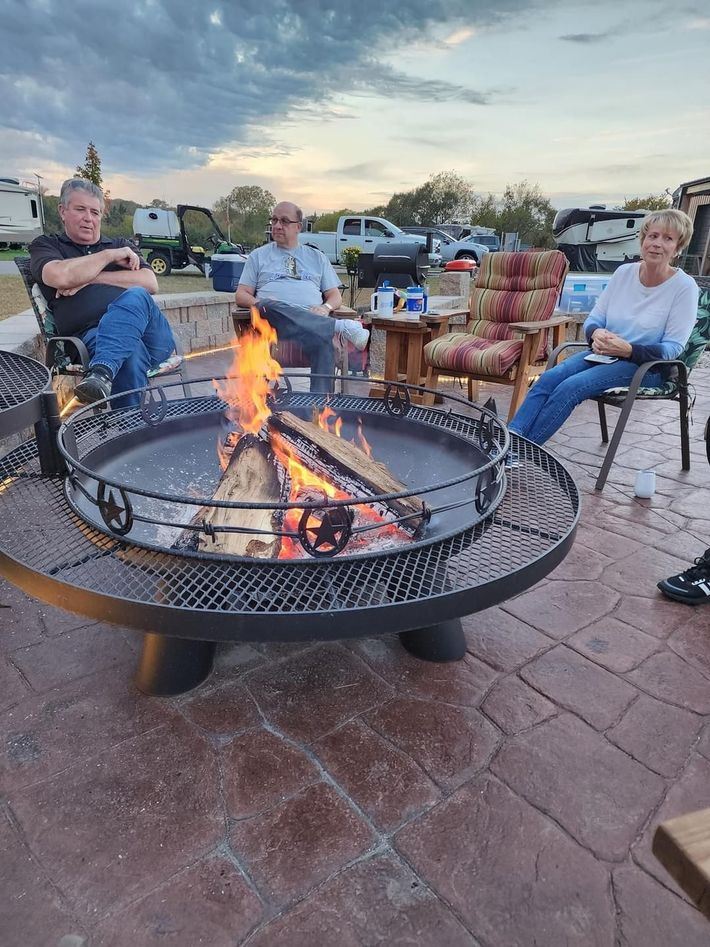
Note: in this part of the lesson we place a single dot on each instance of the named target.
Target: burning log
(251, 476)
(345, 465)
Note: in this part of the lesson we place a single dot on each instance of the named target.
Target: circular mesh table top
(50, 552)
(22, 381)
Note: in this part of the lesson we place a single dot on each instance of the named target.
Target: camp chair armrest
(556, 352)
(636, 381)
(53, 343)
(542, 324)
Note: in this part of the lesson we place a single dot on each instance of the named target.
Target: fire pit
(101, 539)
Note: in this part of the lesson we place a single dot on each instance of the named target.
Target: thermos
(415, 302)
(382, 302)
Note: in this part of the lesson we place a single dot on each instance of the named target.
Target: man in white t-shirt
(296, 290)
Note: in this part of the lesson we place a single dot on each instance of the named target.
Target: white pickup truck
(364, 232)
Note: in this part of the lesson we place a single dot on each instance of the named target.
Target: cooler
(581, 291)
(226, 270)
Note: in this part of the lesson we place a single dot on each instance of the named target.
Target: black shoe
(691, 586)
(95, 386)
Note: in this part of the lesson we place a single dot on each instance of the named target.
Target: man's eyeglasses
(284, 221)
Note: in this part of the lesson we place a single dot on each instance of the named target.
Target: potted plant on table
(350, 256)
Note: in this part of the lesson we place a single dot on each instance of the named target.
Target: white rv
(20, 213)
(595, 239)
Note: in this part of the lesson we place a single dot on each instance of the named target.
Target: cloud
(586, 37)
(165, 84)
(363, 171)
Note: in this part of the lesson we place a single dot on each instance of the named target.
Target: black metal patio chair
(67, 354)
(675, 389)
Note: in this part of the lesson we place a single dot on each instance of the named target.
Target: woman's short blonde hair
(673, 219)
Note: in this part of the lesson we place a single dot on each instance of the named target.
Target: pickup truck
(468, 248)
(363, 232)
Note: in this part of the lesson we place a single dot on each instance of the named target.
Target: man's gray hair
(79, 184)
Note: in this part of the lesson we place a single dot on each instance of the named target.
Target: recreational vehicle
(20, 213)
(595, 239)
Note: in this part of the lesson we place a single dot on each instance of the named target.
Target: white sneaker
(169, 365)
(352, 331)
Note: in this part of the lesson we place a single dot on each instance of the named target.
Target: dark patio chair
(67, 354)
(675, 389)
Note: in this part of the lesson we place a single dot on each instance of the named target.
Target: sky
(340, 104)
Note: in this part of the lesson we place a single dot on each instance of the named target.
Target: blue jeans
(132, 337)
(559, 390)
(314, 334)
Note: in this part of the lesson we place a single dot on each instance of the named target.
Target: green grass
(13, 296)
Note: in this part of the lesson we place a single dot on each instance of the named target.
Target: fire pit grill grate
(43, 541)
(20, 379)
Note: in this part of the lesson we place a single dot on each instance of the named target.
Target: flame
(245, 390)
(247, 384)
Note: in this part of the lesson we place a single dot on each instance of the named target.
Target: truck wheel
(467, 256)
(159, 263)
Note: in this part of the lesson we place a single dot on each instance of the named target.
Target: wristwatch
(329, 307)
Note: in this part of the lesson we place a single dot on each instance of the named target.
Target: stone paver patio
(347, 794)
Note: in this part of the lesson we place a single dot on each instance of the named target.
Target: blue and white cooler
(226, 270)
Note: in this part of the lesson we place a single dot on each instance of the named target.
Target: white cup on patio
(645, 485)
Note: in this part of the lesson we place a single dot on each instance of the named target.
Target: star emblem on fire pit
(397, 400)
(325, 532)
(117, 516)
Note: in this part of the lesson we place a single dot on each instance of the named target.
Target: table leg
(415, 344)
(393, 347)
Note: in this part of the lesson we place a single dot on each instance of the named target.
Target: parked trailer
(595, 239)
(20, 213)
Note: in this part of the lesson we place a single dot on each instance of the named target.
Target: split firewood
(345, 465)
(251, 476)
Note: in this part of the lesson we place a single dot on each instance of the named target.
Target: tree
(444, 196)
(160, 204)
(651, 202)
(523, 209)
(91, 169)
(329, 221)
(245, 210)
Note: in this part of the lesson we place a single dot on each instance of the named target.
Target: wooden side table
(404, 345)
(682, 846)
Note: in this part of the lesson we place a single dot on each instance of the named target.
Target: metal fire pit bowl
(521, 527)
(149, 476)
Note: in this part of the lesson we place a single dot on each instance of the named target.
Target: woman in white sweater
(647, 312)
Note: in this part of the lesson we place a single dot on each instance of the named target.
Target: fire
(255, 370)
(245, 390)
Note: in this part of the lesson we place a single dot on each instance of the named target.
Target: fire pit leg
(170, 666)
(444, 642)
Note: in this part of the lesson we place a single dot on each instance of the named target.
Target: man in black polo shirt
(101, 290)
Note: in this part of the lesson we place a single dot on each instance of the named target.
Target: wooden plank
(337, 455)
(682, 846)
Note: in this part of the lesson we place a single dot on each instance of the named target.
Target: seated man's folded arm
(144, 277)
(61, 274)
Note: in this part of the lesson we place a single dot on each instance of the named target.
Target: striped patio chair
(510, 321)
